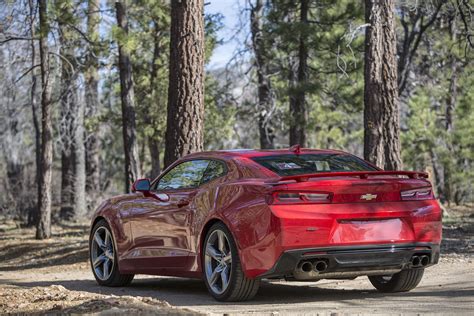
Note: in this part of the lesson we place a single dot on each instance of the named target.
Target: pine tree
(43, 228)
(185, 121)
(127, 95)
(381, 110)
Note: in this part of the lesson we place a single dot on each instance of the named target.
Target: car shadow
(190, 292)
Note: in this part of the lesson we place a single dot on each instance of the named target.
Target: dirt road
(447, 288)
(53, 276)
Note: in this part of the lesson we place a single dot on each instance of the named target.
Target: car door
(161, 229)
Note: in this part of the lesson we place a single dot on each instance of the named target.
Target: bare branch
(16, 38)
(25, 73)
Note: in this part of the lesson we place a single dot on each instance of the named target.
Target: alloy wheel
(218, 261)
(102, 253)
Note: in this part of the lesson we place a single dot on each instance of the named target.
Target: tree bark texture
(298, 113)
(154, 148)
(43, 228)
(265, 101)
(381, 109)
(132, 163)
(80, 205)
(92, 99)
(185, 118)
(33, 214)
(68, 108)
(154, 140)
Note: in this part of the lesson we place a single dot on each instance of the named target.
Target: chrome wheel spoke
(108, 240)
(99, 260)
(221, 241)
(225, 277)
(99, 240)
(212, 252)
(227, 258)
(109, 255)
(106, 268)
(214, 277)
(102, 253)
(218, 261)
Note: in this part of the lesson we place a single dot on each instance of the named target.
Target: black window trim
(226, 170)
(342, 153)
(154, 183)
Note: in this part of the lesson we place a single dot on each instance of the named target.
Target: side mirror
(141, 185)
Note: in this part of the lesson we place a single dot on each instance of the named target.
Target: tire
(402, 281)
(239, 287)
(106, 255)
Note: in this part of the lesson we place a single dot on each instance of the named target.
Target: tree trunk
(33, 214)
(132, 163)
(449, 115)
(438, 173)
(92, 99)
(298, 113)
(153, 140)
(73, 154)
(69, 104)
(381, 112)
(80, 205)
(154, 148)
(43, 228)
(185, 119)
(264, 87)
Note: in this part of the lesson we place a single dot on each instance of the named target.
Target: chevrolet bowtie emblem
(368, 196)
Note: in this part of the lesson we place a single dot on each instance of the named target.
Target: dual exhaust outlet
(315, 265)
(420, 261)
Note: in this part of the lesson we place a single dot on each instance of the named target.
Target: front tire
(103, 257)
(402, 281)
(222, 270)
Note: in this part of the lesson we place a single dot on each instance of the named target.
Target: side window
(186, 175)
(215, 169)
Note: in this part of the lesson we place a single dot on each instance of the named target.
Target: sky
(230, 10)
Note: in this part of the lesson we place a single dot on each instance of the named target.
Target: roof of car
(249, 153)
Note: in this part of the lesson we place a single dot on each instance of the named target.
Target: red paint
(165, 237)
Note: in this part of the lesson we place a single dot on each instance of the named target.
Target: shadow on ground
(187, 292)
(19, 250)
(458, 238)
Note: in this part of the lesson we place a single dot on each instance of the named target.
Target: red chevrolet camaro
(236, 217)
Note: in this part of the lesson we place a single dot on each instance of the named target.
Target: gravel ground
(53, 277)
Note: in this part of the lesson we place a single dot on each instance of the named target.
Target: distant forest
(95, 94)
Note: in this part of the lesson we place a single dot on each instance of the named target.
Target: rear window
(290, 165)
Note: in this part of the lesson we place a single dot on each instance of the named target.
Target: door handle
(182, 202)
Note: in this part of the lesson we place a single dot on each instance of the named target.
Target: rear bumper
(352, 261)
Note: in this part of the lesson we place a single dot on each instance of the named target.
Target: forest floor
(53, 277)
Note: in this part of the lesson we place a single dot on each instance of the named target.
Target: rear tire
(402, 281)
(238, 287)
(105, 254)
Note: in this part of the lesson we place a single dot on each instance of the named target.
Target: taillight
(417, 194)
(292, 197)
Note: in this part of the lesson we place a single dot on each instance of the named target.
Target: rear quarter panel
(256, 231)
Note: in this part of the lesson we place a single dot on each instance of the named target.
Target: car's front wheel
(402, 281)
(103, 257)
(222, 270)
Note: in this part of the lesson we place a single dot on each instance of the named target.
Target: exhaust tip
(415, 261)
(306, 266)
(320, 266)
(424, 260)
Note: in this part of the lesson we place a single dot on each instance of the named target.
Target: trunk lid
(356, 187)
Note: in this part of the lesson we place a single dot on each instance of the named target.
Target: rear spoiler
(360, 174)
